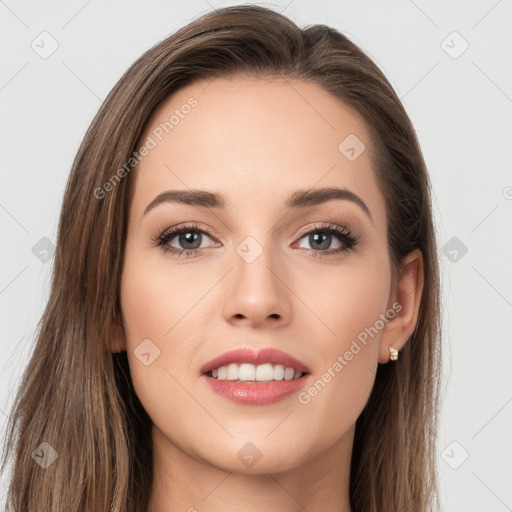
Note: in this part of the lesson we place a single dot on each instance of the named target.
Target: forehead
(255, 138)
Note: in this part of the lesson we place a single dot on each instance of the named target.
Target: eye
(322, 237)
(189, 239)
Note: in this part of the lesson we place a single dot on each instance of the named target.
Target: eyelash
(345, 236)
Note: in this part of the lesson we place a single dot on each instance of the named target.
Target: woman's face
(256, 270)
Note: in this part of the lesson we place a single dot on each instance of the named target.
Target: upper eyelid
(321, 225)
(177, 229)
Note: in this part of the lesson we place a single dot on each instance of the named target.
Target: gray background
(460, 103)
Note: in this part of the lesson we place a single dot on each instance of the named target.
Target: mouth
(245, 364)
(255, 378)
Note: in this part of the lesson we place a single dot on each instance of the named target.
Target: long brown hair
(77, 396)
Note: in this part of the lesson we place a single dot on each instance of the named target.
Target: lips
(247, 355)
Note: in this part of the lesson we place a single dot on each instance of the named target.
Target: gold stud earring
(393, 353)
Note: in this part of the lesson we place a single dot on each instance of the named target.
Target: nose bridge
(256, 290)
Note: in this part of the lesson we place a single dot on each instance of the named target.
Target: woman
(244, 310)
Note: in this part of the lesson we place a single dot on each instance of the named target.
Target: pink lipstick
(255, 377)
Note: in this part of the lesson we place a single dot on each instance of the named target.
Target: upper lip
(255, 357)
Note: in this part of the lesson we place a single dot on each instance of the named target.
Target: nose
(256, 293)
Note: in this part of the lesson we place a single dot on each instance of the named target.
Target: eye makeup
(191, 233)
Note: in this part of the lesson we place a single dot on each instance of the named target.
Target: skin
(257, 141)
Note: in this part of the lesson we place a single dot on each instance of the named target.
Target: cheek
(346, 299)
(141, 303)
(164, 317)
(152, 300)
(158, 353)
(149, 309)
(349, 304)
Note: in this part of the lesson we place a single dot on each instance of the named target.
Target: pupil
(188, 237)
(323, 245)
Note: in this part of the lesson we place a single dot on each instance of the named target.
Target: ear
(118, 339)
(405, 303)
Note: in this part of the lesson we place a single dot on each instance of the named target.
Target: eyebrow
(298, 199)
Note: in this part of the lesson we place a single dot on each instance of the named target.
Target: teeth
(250, 372)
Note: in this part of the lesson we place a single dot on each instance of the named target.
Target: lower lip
(255, 393)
